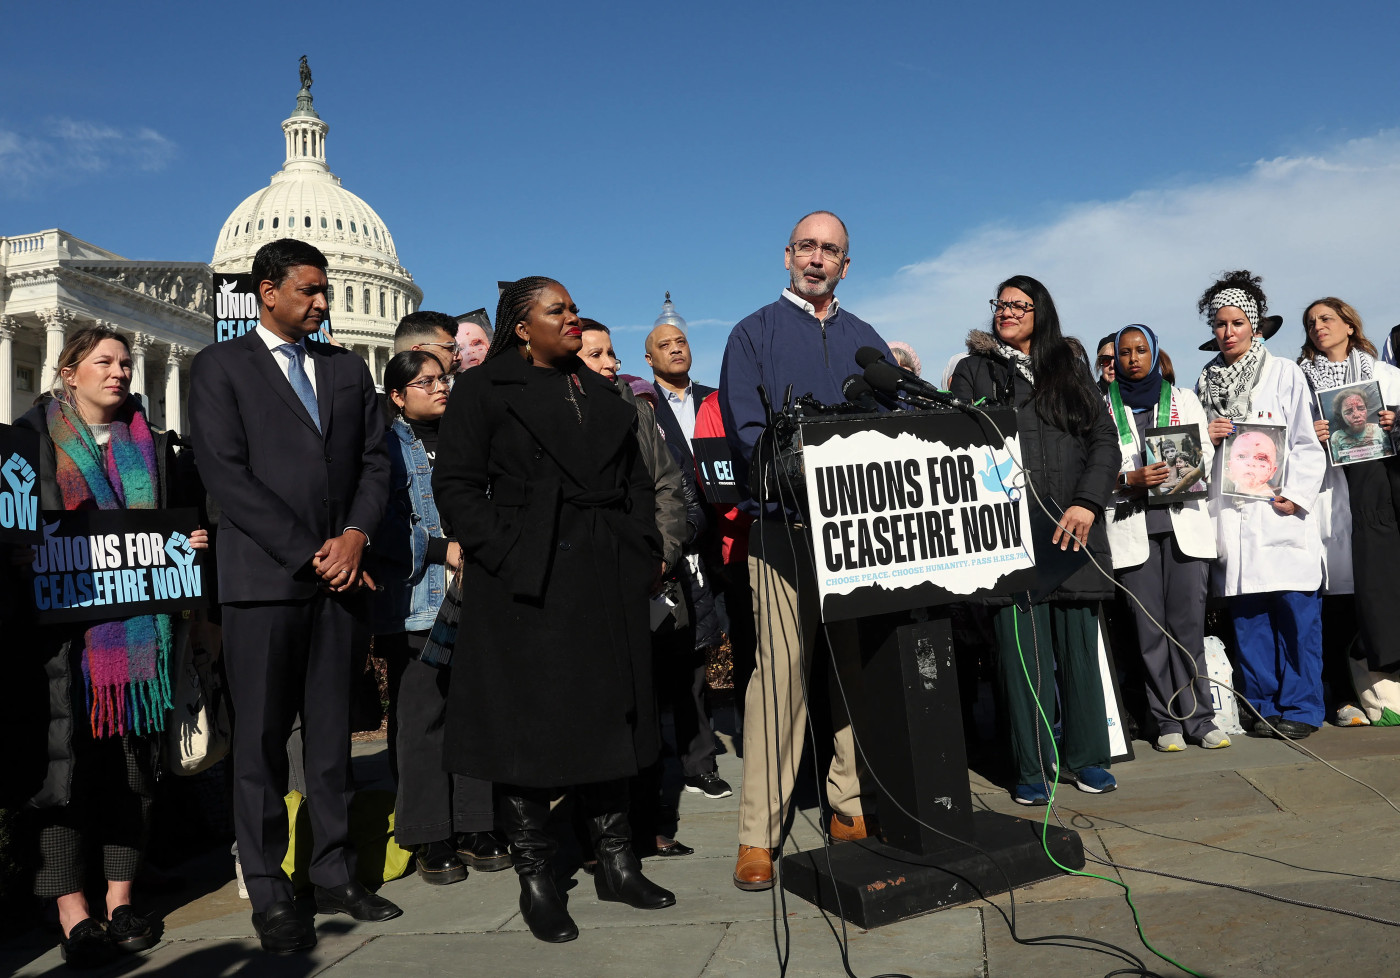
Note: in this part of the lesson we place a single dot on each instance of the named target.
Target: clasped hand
(337, 563)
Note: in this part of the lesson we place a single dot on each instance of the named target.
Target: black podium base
(879, 885)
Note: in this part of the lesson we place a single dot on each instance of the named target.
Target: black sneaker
(87, 945)
(129, 931)
(711, 785)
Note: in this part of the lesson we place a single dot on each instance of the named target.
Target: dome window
(323, 222)
(376, 234)
(365, 307)
(274, 223)
(260, 223)
(396, 305)
(330, 296)
(352, 228)
(349, 298)
(381, 303)
(235, 230)
(307, 220)
(249, 228)
(338, 225)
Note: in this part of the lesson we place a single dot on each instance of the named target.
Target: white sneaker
(1215, 740)
(1351, 716)
(1168, 743)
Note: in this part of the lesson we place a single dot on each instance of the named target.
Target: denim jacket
(413, 589)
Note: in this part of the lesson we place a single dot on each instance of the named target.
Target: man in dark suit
(668, 355)
(289, 441)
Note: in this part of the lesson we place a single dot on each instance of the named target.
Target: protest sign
(1256, 458)
(715, 464)
(912, 510)
(1179, 447)
(1353, 416)
(19, 485)
(114, 563)
(234, 304)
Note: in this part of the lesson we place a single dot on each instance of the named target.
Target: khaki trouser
(787, 617)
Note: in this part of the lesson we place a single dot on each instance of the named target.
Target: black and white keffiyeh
(1238, 298)
(1323, 374)
(1017, 359)
(1228, 387)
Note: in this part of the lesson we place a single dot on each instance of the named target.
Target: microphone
(891, 378)
(858, 391)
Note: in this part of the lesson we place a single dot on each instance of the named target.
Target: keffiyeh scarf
(1017, 359)
(1228, 387)
(1238, 298)
(126, 663)
(1323, 373)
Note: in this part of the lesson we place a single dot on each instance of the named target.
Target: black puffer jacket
(1072, 468)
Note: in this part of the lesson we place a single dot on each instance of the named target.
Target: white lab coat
(1192, 527)
(1259, 549)
(1334, 503)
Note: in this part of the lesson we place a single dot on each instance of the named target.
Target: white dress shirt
(273, 341)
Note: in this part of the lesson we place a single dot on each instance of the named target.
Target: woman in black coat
(539, 478)
(1070, 452)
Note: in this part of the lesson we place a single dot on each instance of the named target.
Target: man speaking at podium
(808, 341)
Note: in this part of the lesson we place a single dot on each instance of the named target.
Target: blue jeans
(1279, 634)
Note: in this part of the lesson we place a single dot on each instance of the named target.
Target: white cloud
(1322, 224)
(65, 150)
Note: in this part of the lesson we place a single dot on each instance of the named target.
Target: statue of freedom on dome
(305, 75)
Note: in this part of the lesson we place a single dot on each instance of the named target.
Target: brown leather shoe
(852, 828)
(754, 870)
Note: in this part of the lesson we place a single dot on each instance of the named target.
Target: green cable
(1054, 786)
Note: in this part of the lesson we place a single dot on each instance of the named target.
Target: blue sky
(1122, 154)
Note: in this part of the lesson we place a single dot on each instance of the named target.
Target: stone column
(56, 323)
(8, 327)
(374, 364)
(173, 421)
(140, 343)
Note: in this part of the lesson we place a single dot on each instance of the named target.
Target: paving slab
(679, 951)
(1308, 786)
(943, 945)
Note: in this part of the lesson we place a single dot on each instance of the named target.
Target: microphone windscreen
(867, 355)
(855, 387)
(883, 376)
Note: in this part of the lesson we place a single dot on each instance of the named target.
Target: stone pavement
(1259, 814)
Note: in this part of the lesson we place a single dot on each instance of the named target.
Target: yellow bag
(378, 858)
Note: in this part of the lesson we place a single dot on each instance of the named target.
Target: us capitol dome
(369, 290)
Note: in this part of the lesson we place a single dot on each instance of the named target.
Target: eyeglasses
(805, 249)
(1016, 307)
(429, 384)
(449, 347)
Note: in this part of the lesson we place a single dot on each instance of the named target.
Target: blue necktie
(301, 383)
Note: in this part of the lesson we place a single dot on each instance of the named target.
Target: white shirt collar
(807, 307)
(273, 341)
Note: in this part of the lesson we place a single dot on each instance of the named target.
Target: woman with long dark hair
(447, 819)
(1360, 512)
(541, 481)
(1069, 456)
(1269, 564)
(109, 681)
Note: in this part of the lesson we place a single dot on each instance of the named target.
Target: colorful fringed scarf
(126, 664)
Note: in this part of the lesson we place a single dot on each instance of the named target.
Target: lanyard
(1126, 431)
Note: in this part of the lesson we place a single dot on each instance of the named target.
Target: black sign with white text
(913, 510)
(19, 485)
(715, 464)
(96, 564)
(235, 307)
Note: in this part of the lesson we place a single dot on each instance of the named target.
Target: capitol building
(52, 282)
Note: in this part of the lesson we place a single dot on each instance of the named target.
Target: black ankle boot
(618, 877)
(438, 864)
(522, 819)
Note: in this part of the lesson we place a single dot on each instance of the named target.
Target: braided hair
(513, 307)
(1244, 280)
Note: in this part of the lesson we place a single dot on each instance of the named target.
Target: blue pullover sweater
(783, 344)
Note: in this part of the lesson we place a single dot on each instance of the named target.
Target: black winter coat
(551, 676)
(48, 675)
(1071, 467)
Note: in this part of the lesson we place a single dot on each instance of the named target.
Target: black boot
(438, 864)
(618, 877)
(522, 819)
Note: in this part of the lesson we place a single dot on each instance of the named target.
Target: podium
(937, 850)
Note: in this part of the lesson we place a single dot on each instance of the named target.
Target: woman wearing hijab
(1360, 530)
(109, 681)
(540, 479)
(1067, 449)
(1269, 566)
(1162, 553)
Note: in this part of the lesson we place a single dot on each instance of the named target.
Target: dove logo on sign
(19, 503)
(235, 306)
(994, 477)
